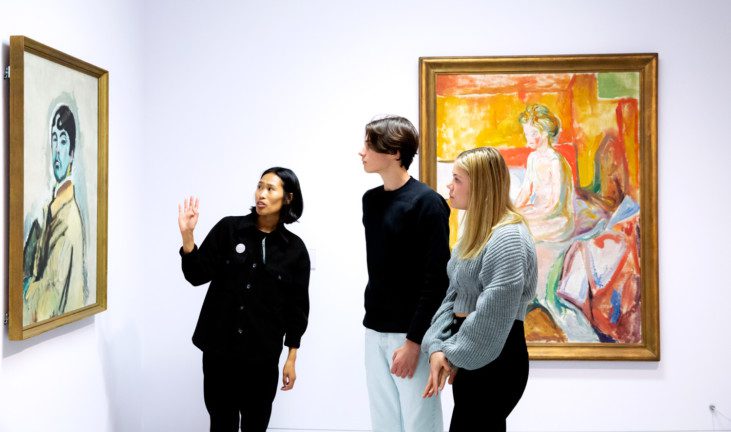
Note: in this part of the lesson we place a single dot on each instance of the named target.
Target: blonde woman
(478, 329)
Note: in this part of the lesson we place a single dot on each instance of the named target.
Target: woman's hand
(439, 370)
(289, 376)
(187, 220)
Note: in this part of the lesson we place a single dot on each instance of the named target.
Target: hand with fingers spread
(406, 359)
(439, 370)
(187, 220)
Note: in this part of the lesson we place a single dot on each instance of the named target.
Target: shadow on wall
(123, 381)
(11, 348)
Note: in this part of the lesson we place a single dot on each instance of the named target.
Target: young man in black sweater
(407, 241)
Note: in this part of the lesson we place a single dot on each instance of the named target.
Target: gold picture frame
(57, 242)
(606, 107)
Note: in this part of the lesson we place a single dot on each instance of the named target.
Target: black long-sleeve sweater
(407, 242)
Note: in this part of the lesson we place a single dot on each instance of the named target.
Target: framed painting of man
(57, 242)
(579, 134)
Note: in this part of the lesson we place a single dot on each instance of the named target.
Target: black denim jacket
(257, 295)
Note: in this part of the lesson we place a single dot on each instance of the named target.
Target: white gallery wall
(85, 376)
(204, 96)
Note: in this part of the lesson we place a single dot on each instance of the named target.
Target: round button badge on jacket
(240, 248)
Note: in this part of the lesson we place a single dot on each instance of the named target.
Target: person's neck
(394, 178)
(62, 186)
(544, 147)
(267, 223)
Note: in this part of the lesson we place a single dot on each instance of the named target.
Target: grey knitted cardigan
(495, 288)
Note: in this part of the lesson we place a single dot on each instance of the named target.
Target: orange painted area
(593, 119)
(628, 120)
(476, 121)
(483, 110)
(453, 226)
(540, 327)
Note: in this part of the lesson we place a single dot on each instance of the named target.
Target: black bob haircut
(291, 211)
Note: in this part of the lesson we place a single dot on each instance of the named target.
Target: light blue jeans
(396, 403)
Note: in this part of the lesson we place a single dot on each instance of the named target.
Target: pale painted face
(61, 152)
(375, 162)
(535, 137)
(269, 195)
(459, 189)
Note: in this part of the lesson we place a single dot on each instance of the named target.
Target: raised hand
(187, 220)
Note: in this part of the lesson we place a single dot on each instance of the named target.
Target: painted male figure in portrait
(54, 253)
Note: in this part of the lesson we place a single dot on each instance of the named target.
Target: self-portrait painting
(58, 171)
(579, 137)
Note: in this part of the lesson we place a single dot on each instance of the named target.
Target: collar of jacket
(249, 221)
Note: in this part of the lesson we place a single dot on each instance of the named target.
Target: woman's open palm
(188, 214)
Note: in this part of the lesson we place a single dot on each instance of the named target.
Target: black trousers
(484, 397)
(238, 391)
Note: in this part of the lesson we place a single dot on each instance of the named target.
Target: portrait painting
(579, 136)
(58, 188)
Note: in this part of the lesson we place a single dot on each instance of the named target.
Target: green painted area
(614, 85)
(554, 275)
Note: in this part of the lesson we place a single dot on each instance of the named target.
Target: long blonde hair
(489, 203)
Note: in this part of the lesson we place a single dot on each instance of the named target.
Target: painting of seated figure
(580, 143)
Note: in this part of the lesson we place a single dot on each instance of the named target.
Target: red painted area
(452, 85)
(627, 124)
(516, 157)
(624, 281)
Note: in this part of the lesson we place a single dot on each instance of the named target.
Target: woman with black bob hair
(258, 296)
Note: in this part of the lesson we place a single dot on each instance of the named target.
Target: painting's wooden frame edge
(19, 45)
(647, 65)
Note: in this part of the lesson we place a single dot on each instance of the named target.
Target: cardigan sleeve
(481, 337)
(440, 330)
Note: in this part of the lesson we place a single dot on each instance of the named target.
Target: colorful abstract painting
(573, 141)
